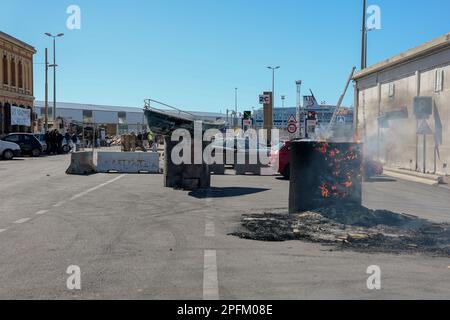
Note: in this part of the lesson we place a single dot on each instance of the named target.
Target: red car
(281, 156)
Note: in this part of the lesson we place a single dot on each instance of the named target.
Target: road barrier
(81, 163)
(128, 162)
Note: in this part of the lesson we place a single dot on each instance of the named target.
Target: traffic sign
(423, 107)
(424, 128)
(264, 99)
(292, 119)
(247, 122)
(292, 128)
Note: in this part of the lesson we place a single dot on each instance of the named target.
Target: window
(20, 75)
(439, 80)
(87, 116)
(13, 72)
(391, 90)
(5, 70)
(14, 138)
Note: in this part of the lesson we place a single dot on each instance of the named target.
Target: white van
(9, 150)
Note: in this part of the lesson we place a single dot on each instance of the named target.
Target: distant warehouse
(403, 108)
(114, 120)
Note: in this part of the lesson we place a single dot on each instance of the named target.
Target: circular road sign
(292, 128)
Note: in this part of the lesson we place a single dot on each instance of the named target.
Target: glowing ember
(325, 174)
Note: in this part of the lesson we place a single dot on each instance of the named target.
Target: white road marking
(210, 229)
(96, 188)
(2, 230)
(210, 279)
(22, 220)
(59, 204)
(41, 212)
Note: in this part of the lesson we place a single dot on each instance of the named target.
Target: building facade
(115, 120)
(386, 119)
(16, 85)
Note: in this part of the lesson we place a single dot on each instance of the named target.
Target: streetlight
(364, 38)
(235, 107)
(236, 99)
(54, 65)
(273, 88)
(283, 98)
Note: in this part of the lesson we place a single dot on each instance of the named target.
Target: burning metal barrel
(324, 174)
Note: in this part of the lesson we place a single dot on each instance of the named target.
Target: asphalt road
(134, 239)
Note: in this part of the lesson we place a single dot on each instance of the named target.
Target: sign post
(267, 102)
(292, 127)
(423, 109)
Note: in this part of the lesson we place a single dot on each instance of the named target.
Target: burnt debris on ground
(350, 226)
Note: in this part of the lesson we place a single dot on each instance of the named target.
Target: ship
(165, 122)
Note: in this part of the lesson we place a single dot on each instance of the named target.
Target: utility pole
(46, 89)
(364, 38)
(54, 71)
(235, 108)
(236, 99)
(273, 88)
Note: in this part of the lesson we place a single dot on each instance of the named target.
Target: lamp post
(46, 90)
(235, 107)
(54, 65)
(283, 98)
(273, 87)
(364, 38)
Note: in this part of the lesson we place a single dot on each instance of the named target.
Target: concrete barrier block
(81, 163)
(128, 162)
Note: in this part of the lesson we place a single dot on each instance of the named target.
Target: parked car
(41, 138)
(372, 168)
(9, 150)
(28, 143)
(240, 145)
(282, 158)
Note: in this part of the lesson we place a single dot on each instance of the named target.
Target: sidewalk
(428, 179)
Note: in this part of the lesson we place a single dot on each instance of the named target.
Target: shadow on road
(380, 179)
(225, 192)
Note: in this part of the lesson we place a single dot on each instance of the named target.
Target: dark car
(29, 144)
(282, 158)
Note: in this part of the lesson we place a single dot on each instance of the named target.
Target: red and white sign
(248, 122)
(292, 119)
(292, 125)
(292, 128)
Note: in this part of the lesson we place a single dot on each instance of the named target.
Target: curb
(412, 176)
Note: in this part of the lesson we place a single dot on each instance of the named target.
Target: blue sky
(192, 54)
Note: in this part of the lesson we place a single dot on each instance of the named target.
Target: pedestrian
(75, 141)
(59, 141)
(47, 142)
(53, 142)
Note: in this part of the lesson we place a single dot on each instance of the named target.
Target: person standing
(47, 142)
(75, 141)
(59, 141)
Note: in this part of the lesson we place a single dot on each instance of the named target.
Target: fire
(323, 148)
(348, 184)
(325, 190)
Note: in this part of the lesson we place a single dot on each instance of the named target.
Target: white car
(9, 150)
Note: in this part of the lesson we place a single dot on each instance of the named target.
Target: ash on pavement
(350, 227)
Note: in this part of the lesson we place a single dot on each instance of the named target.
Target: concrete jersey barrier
(128, 162)
(81, 163)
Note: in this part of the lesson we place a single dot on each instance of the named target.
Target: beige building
(16, 85)
(385, 118)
